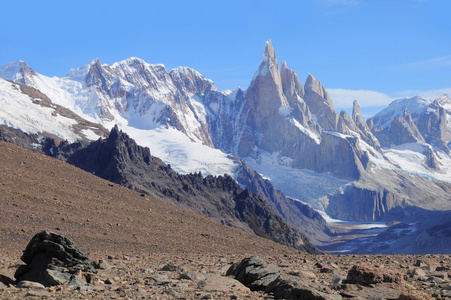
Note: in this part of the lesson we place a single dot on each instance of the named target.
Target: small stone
(188, 276)
(147, 271)
(435, 279)
(171, 268)
(203, 296)
(76, 282)
(29, 285)
(419, 272)
(101, 264)
(338, 279)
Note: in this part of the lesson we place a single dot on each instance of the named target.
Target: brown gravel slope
(38, 192)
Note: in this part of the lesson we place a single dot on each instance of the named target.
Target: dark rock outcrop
(254, 273)
(51, 259)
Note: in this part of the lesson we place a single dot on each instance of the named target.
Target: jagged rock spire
(313, 85)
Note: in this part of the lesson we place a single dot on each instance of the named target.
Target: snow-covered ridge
(21, 112)
(414, 105)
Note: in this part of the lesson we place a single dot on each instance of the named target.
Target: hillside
(38, 192)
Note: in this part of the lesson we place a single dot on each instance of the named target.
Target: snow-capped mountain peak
(414, 105)
(19, 72)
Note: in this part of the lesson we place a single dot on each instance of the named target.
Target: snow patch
(285, 110)
(184, 155)
(306, 131)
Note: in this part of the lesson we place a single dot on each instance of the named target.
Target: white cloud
(430, 94)
(343, 98)
(366, 98)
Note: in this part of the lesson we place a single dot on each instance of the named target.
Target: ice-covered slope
(32, 112)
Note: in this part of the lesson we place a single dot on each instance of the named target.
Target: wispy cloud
(429, 64)
(344, 98)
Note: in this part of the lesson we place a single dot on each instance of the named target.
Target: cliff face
(365, 205)
(389, 195)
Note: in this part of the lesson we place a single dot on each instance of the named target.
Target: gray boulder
(254, 273)
(51, 259)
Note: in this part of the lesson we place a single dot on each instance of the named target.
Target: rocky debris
(51, 259)
(202, 276)
(254, 273)
(366, 275)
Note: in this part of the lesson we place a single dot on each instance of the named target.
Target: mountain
(120, 160)
(276, 134)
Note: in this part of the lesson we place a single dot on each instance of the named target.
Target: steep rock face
(119, 159)
(363, 128)
(364, 205)
(389, 195)
(402, 130)
(320, 104)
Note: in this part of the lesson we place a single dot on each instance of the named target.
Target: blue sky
(372, 51)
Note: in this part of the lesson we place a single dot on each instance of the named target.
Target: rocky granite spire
(292, 86)
(320, 104)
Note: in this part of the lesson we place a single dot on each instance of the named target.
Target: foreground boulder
(367, 275)
(52, 259)
(254, 273)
